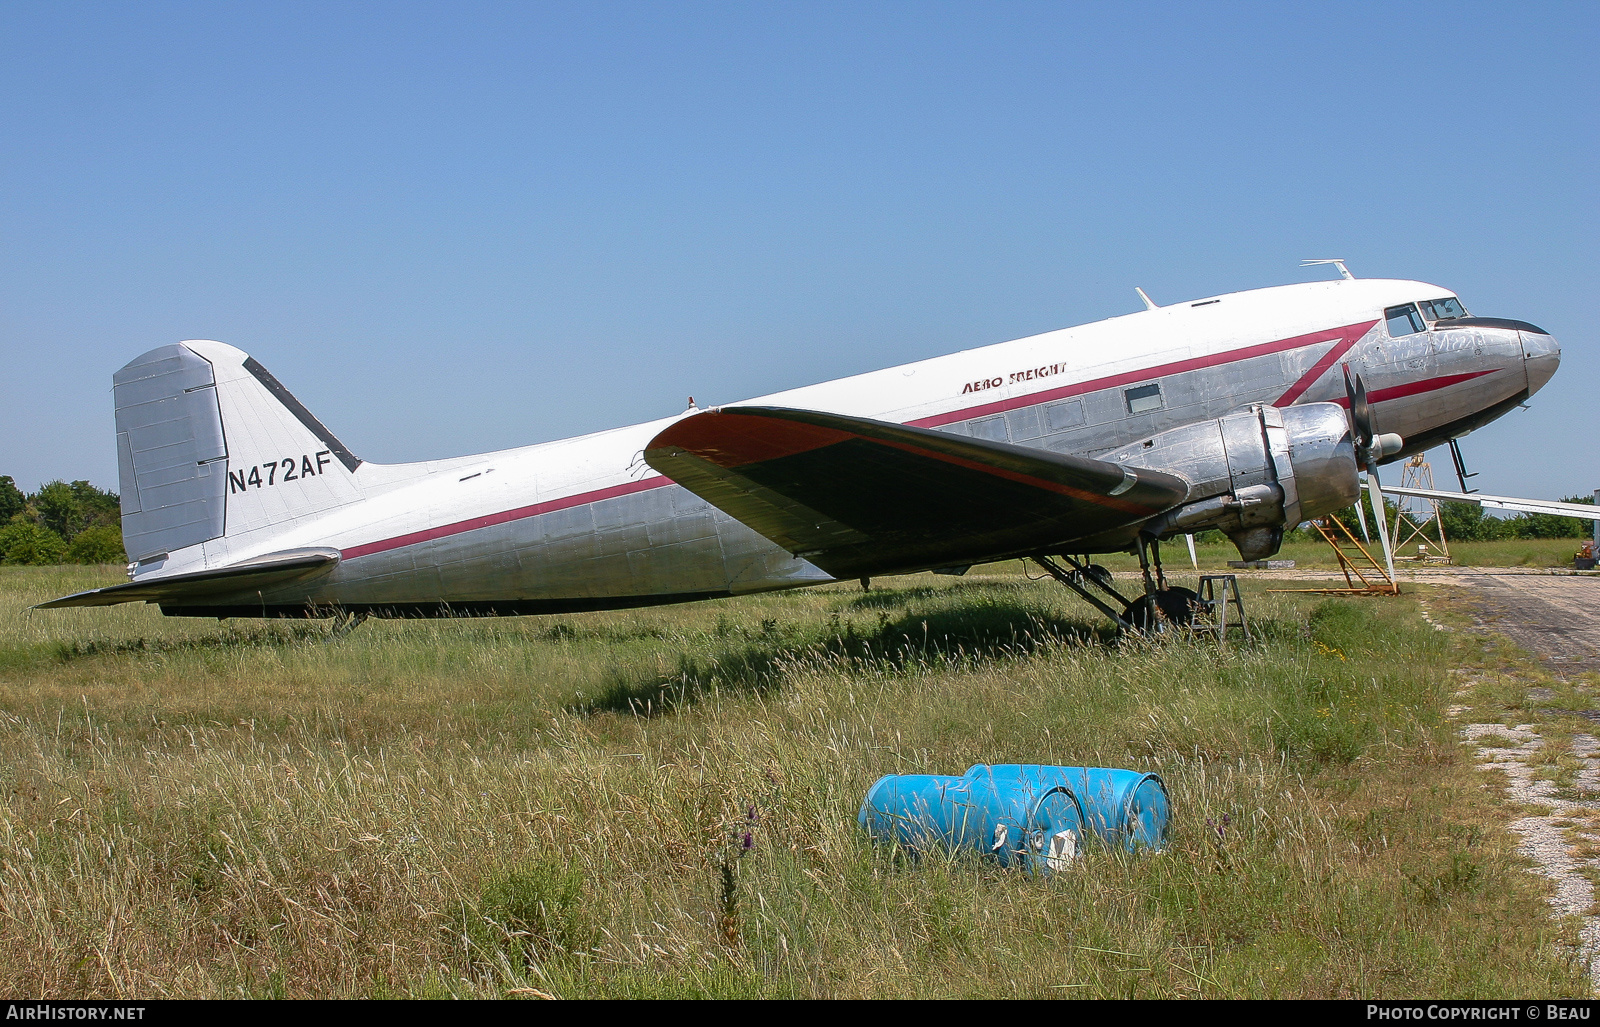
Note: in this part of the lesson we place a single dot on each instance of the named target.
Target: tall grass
(662, 803)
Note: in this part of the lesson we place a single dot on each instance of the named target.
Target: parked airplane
(1248, 412)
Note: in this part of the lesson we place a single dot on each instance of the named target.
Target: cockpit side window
(1404, 321)
(1440, 310)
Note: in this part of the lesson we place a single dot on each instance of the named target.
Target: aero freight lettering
(1016, 376)
(275, 472)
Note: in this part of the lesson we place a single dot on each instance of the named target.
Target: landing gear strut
(1161, 603)
(1080, 578)
(1150, 555)
(1462, 474)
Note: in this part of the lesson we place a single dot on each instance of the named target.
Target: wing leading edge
(1540, 506)
(859, 497)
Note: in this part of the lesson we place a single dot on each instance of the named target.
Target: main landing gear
(1161, 602)
(1161, 605)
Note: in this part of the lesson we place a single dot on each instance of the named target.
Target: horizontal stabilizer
(1541, 506)
(857, 497)
(179, 589)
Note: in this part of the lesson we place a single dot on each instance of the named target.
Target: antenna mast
(1337, 262)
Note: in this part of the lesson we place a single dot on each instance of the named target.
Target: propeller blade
(1192, 558)
(1378, 511)
(1363, 411)
(1360, 416)
(1361, 516)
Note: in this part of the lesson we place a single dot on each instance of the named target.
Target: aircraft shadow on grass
(994, 626)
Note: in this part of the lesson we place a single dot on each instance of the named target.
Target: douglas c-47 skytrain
(1248, 413)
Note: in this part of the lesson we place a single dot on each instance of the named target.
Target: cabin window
(1143, 398)
(1404, 321)
(1061, 416)
(991, 428)
(1439, 310)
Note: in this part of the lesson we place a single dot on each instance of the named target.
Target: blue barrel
(1019, 820)
(1126, 808)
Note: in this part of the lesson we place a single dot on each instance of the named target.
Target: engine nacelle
(1254, 472)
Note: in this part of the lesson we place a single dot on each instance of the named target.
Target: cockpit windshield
(1404, 321)
(1439, 310)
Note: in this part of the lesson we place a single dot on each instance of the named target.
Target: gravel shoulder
(1540, 752)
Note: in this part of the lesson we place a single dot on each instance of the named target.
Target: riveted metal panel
(1246, 448)
(1024, 424)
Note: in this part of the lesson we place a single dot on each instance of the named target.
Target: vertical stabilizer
(210, 445)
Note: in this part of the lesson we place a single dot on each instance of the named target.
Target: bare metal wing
(858, 497)
(195, 586)
(1542, 506)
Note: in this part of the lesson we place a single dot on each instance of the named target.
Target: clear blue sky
(457, 227)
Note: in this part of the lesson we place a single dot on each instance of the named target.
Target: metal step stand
(1211, 611)
(1363, 576)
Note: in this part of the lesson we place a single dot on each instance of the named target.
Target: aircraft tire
(1168, 607)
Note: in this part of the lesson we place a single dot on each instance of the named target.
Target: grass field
(557, 806)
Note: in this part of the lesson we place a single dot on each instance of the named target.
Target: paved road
(1556, 618)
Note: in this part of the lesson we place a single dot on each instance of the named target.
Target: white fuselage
(584, 523)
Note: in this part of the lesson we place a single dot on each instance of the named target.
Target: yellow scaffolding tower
(1363, 576)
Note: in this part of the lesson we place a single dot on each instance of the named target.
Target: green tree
(100, 543)
(1536, 525)
(24, 542)
(12, 501)
(1465, 522)
(67, 509)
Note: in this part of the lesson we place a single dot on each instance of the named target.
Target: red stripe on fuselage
(1320, 368)
(488, 520)
(1343, 338)
(1348, 335)
(1417, 388)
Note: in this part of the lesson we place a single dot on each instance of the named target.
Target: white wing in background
(1541, 506)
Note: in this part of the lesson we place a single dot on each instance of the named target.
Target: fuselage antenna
(1149, 304)
(1337, 262)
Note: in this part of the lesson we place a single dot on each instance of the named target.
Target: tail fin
(209, 444)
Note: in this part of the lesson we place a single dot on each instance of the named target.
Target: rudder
(210, 445)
